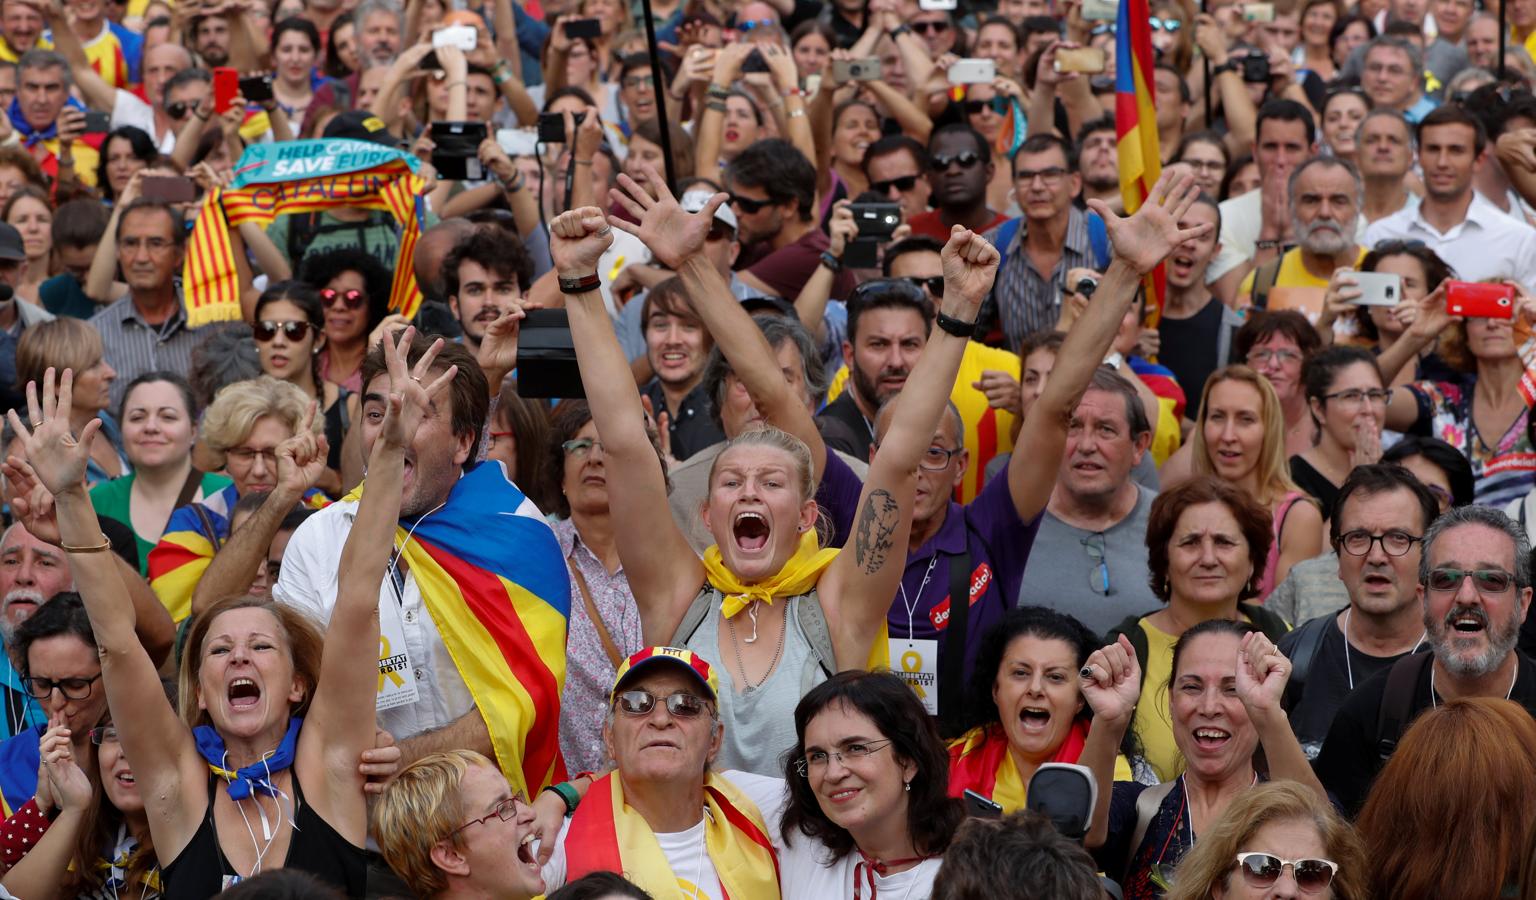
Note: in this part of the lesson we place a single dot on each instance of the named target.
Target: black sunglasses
(178, 110)
(934, 283)
(966, 160)
(879, 290)
(1397, 245)
(903, 184)
(748, 205)
(265, 331)
(351, 299)
(998, 105)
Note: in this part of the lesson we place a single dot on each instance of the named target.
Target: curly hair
(319, 268)
(1252, 520)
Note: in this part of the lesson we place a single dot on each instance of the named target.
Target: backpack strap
(1146, 808)
(1005, 233)
(1098, 239)
(952, 685)
(207, 522)
(813, 624)
(1397, 701)
(694, 617)
(1308, 641)
(1264, 278)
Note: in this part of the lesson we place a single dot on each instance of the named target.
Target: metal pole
(1503, 35)
(658, 76)
(1206, 62)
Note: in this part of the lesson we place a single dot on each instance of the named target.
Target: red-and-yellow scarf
(979, 761)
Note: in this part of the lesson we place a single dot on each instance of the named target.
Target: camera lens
(1086, 287)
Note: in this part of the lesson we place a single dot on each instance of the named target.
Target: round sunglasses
(351, 299)
(265, 331)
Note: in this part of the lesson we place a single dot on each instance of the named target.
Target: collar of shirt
(130, 312)
(1479, 212)
(949, 539)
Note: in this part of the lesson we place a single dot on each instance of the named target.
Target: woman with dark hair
(1206, 541)
(354, 292)
(1242, 176)
(125, 151)
(868, 792)
(296, 83)
(1343, 111)
(1438, 465)
(1348, 403)
(1026, 708)
(1207, 154)
(811, 44)
(1462, 768)
(341, 59)
(1350, 31)
(289, 328)
(600, 886)
(1420, 271)
(1314, 54)
(1224, 685)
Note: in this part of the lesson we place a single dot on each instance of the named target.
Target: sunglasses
(1487, 581)
(998, 105)
(966, 160)
(681, 705)
(754, 24)
(719, 231)
(352, 299)
(903, 184)
(934, 283)
(937, 27)
(1262, 870)
(178, 110)
(748, 205)
(1397, 245)
(1164, 24)
(264, 332)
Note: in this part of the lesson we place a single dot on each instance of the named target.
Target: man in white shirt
(1474, 236)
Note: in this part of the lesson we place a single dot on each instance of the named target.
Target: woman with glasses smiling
(1348, 402)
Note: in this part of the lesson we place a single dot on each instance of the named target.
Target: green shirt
(111, 499)
(379, 235)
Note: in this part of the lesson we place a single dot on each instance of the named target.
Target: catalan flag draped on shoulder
(1136, 125)
(979, 761)
(301, 177)
(194, 533)
(493, 579)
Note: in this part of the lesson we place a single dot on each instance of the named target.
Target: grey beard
(1501, 640)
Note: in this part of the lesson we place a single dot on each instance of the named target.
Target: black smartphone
(584, 28)
(876, 220)
(552, 126)
(456, 154)
(97, 122)
(755, 62)
(168, 189)
(982, 807)
(256, 89)
(546, 356)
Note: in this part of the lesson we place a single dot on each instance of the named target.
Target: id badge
(916, 661)
(397, 677)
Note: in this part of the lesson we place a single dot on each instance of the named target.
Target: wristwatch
(954, 326)
(1266, 245)
(579, 285)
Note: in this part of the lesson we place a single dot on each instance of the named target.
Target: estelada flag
(1136, 126)
(300, 177)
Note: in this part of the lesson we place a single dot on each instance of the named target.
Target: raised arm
(165, 757)
(1262, 671)
(1110, 684)
(1402, 406)
(663, 570)
(1140, 242)
(97, 93)
(707, 134)
(857, 588)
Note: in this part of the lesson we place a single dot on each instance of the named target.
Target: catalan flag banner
(1136, 126)
(493, 579)
(194, 533)
(273, 180)
(607, 835)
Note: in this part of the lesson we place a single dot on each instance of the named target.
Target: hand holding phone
(1089, 60)
(1378, 288)
(226, 87)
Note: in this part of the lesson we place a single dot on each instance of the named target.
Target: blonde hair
(301, 634)
(1212, 861)
(1274, 477)
(423, 805)
(237, 408)
(64, 343)
(778, 440)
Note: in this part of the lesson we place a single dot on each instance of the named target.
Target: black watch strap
(955, 327)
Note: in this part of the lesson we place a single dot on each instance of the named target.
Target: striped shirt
(1027, 300)
(133, 346)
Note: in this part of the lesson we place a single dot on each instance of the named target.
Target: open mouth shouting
(1466, 620)
(244, 694)
(1035, 719)
(1211, 739)
(750, 530)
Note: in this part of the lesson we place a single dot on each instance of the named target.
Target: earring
(907, 786)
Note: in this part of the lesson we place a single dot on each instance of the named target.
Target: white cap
(694, 201)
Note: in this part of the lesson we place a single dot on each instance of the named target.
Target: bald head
(432, 248)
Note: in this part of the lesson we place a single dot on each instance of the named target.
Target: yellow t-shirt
(1166, 435)
(988, 431)
(1292, 274)
(10, 55)
(1153, 723)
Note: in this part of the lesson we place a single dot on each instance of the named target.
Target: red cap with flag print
(696, 665)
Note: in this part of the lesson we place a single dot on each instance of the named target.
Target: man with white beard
(31, 572)
(1325, 194)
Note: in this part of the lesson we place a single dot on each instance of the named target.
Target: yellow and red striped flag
(1136, 126)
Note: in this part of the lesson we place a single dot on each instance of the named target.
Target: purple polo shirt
(838, 497)
(999, 542)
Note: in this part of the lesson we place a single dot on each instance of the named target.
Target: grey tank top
(759, 722)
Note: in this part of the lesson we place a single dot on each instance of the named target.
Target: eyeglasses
(1105, 28)
(998, 105)
(106, 734)
(1205, 165)
(1262, 870)
(719, 231)
(1487, 581)
(1050, 176)
(1397, 245)
(934, 283)
(1357, 396)
(579, 448)
(966, 160)
(1441, 495)
(936, 459)
(40, 688)
(352, 299)
(245, 456)
(938, 26)
(1169, 25)
(506, 811)
(1393, 543)
(754, 24)
(816, 760)
(634, 82)
(1098, 576)
(266, 330)
(903, 184)
(681, 705)
(748, 205)
(179, 109)
(1265, 357)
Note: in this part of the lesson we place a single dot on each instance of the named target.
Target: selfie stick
(658, 76)
(1503, 28)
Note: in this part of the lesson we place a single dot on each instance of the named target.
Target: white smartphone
(517, 141)
(973, 71)
(1378, 288)
(937, 4)
(462, 36)
(1100, 10)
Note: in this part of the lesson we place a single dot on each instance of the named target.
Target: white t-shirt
(128, 109)
(685, 850)
(804, 872)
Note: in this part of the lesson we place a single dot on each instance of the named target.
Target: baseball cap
(695, 201)
(11, 247)
(360, 125)
(684, 660)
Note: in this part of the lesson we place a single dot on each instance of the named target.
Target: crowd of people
(773, 458)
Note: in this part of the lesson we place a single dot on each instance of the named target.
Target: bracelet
(566, 793)
(832, 263)
(794, 92)
(1266, 245)
(581, 285)
(715, 105)
(502, 73)
(898, 31)
(717, 92)
(582, 162)
(954, 326)
(103, 547)
(515, 184)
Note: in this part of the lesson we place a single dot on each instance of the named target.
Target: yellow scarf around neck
(797, 577)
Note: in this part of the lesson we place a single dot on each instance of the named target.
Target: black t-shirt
(1330, 678)
(853, 437)
(1309, 479)
(1350, 761)
(1189, 349)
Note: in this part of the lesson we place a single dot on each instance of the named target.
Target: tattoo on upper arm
(877, 522)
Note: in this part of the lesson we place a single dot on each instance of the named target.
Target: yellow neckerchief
(797, 577)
